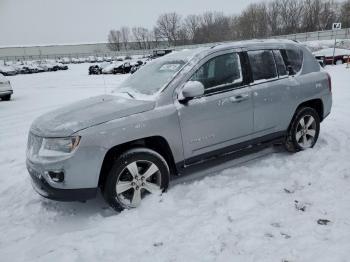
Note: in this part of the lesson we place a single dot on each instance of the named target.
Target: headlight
(52, 147)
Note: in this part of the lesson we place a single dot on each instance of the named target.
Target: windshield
(152, 77)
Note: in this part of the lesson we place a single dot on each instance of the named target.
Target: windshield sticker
(170, 67)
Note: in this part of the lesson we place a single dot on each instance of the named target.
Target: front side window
(281, 66)
(262, 64)
(219, 72)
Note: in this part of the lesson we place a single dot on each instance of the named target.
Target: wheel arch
(157, 143)
(316, 104)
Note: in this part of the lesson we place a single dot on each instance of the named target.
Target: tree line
(258, 20)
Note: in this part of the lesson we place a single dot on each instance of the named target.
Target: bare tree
(291, 11)
(142, 37)
(329, 13)
(125, 36)
(213, 27)
(258, 20)
(168, 26)
(345, 13)
(114, 39)
(274, 17)
(191, 25)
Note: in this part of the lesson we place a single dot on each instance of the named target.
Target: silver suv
(184, 111)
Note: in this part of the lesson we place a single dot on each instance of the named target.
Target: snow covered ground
(264, 210)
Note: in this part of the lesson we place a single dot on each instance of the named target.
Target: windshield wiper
(129, 94)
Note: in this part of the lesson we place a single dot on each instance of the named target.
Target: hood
(86, 113)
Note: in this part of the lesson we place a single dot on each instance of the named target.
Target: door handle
(239, 98)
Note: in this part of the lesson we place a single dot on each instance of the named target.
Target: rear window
(294, 58)
(263, 65)
(281, 66)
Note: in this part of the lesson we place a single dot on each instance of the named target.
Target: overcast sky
(27, 22)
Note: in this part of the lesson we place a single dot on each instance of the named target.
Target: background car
(160, 53)
(5, 88)
(112, 68)
(95, 70)
(8, 70)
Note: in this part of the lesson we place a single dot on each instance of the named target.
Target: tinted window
(281, 66)
(262, 64)
(295, 59)
(219, 71)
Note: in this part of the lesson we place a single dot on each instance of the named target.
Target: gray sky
(27, 22)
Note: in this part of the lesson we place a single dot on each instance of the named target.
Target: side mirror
(192, 89)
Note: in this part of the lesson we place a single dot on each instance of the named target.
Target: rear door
(270, 89)
(224, 115)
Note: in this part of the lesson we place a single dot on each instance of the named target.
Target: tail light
(329, 82)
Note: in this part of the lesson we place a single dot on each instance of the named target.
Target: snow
(263, 210)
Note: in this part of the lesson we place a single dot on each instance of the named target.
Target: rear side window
(294, 58)
(281, 66)
(263, 65)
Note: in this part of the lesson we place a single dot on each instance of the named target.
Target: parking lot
(266, 210)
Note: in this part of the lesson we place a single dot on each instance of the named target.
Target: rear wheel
(304, 130)
(134, 175)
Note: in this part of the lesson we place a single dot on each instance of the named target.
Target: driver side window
(220, 72)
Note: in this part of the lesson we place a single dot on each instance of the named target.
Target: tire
(339, 62)
(129, 175)
(6, 98)
(304, 130)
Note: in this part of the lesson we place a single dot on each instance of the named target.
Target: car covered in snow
(8, 70)
(5, 88)
(326, 55)
(97, 69)
(178, 114)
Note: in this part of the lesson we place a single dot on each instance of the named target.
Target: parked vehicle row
(31, 68)
(117, 67)
(92, 59)
(179, 114)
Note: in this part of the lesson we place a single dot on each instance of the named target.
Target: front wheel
(339, 62)
(134, 175)
(304, 130)
(6, 98)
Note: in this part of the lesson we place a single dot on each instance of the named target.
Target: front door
(223, 116)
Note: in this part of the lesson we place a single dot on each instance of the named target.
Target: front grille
(34, 144)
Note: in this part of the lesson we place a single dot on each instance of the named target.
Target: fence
(101, 49)
(319, 35)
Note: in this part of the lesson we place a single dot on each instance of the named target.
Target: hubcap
(306, 131)
(137, 179)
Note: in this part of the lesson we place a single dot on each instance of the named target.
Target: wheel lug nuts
(133, 184)
(143, 184)
(137, 188)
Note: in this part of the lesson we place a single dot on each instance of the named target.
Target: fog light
(56, 176)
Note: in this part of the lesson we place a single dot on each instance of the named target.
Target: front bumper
(43, 188)
(5, 93)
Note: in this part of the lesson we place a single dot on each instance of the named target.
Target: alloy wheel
(136, 180)
(306, 131)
